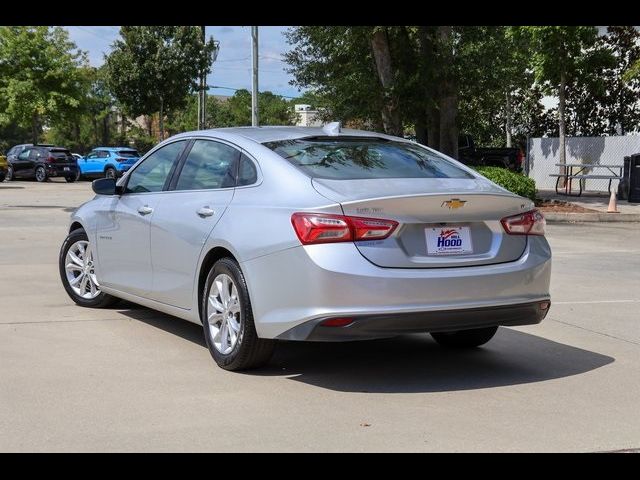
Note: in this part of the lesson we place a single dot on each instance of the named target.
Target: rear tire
(110, 172)
(41, 174)
(9, 176)
(70, 179)
(71, 270)
(465, 338)
(227, 318)
(2, 177)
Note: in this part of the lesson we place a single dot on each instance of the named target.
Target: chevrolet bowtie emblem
(454, 203)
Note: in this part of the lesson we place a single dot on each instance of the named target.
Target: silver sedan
(316, 234)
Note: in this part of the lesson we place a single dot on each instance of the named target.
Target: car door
(21, 164)
(123, 228)
(198, 196)
(88, 165)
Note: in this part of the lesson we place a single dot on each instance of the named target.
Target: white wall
(543, 154)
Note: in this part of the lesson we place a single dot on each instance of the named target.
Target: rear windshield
(59, 152)
(350, 159)
(127, 153)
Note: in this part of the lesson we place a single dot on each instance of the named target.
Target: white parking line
(595, 301)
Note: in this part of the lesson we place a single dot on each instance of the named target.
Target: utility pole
(508, 122)
(254, 82)
(202, 91)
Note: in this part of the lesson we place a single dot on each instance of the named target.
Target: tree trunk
(382, 55)
(161, 119)
(428, 74)
(433, 126)
(507, 125)
(34, 128)
(422, 135)
(448, 96)
(105, 130)
(561, 122)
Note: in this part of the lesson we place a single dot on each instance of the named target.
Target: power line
(236, 89)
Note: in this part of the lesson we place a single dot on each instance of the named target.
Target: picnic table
(577, 171)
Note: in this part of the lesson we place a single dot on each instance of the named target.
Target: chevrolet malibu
(318, 234)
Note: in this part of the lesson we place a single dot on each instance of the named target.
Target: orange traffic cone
(613, 203)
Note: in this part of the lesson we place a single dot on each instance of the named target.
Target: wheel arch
(75, 225)
(212, 256)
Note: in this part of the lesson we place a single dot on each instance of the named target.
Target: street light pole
(254, 82)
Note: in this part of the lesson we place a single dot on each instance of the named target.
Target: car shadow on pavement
(406, 364)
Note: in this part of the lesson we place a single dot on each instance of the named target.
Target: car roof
(114, 148)
(277, 133)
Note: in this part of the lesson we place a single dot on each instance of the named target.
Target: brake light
(51, 159)
(325, 228)
(519, 157)
(528, 223)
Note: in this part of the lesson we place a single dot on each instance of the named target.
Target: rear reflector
(545, 305)
(337, 322)
(528, 223)
(325, 228)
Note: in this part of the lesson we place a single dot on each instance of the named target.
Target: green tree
(40, 81)
(155, 68)
(557, 53)
(622, 87)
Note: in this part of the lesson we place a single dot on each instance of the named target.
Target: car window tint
(152, 173)
(358, 158)
(208, 165)
(247, 173)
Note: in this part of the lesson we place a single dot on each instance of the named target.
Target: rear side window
(209, 165)
(247, 173)
(357, 158)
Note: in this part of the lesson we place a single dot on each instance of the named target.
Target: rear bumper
(380, 326)
(58, 170)
(312, 283)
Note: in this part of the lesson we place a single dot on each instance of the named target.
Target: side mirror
(105, 186)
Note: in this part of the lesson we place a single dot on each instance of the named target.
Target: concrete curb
(566, 217)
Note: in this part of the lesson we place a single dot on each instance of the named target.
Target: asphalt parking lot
(131, 379)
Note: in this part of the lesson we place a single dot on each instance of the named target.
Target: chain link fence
(543, 154)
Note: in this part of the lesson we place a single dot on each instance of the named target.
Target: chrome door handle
(146, 210)
(205, 212)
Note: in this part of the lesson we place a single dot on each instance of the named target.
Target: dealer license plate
(448, 240)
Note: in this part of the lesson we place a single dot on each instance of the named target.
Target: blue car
(110, 162)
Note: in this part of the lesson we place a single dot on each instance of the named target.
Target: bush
(516, 183)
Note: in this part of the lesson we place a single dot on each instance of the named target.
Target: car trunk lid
(444, 222)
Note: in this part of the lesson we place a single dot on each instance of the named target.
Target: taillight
(51, 159)
(528, 223)
(120, 160)
(326, 228)
(519, 157)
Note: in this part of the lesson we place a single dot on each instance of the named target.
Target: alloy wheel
(80, 270)
(41, 175)
(224, 314)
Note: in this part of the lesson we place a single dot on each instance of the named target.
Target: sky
(231, 69)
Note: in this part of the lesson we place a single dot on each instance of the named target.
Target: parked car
(4, 167)
(41, 161)
(77, 156)
(469, 154)
(295, 233)
(109, 162)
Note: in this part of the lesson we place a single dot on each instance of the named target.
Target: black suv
(41, 161)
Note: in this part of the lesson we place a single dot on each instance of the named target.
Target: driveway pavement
(131, 379)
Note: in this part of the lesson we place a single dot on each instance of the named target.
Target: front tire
(71, 179)
(77, 272)
(465, 338)
(110, 172)
(41, 174)
(227, 318)
(9, 176)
